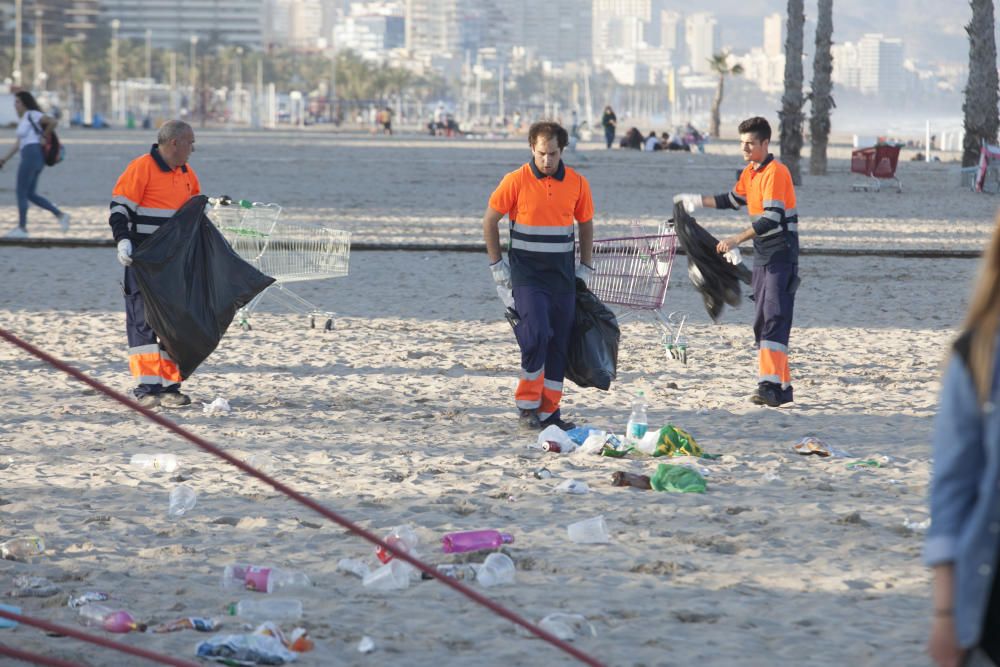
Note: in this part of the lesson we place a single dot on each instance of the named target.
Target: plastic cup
(589, 531)
(497, 569)
(392, 576)
(182, 499)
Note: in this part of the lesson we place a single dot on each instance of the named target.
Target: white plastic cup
(589, 531)
(496, 570)
(182, 499)
(394, 575)
(161, 461)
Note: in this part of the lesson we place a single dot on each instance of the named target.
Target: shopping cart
(286, 251)
(875, 163)
(633, 272)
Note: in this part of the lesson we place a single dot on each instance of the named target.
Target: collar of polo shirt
(162, 164)
(767, 161)
(559, 175)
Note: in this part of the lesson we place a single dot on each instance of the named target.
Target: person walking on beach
(609, 121)
(33, 129)
(542, 199)
(765, 188)
(963, 542)
(147, 194)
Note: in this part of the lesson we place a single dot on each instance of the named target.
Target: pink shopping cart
(633, 272)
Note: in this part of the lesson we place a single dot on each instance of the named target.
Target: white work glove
(125, 252)
(501, 273)
(584, 273)
(734, 256)
(691, 201)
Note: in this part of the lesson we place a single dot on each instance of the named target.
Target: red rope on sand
(304, 500)
(87, 637)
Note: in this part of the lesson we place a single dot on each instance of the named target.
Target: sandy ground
(403, 414)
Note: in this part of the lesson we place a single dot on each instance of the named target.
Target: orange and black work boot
(528, 419)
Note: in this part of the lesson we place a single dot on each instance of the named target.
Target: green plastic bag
(677, 479)
(676, 442)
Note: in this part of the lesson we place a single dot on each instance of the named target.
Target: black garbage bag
(192, 283)
(713, 276)
(592, 360)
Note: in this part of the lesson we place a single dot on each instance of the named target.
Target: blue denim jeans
(28, 171)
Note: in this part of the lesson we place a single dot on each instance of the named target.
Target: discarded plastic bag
(32, 587)
(252, 649)
(678, 479)
(573, 486)
(567, 626)
(813, 445)
(555, 434)
(676, 441)
(592, 359)
(192, 283)
(219, 406)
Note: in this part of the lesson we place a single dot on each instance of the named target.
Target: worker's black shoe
(528, 419)
(564, 425)
(174, 399)
(771, 395)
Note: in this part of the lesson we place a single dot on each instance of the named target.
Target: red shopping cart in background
(876, 163)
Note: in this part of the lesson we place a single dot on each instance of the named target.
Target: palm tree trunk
(980, 106)
(822, 101)
(713, 127)
(791, 101)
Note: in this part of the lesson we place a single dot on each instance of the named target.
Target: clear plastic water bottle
(182, 500)
(160, 461)
(402, 538)
(638, 423)
(271, 609)
(263, 579)
(22, 548)
(474, 540)
(109, 618)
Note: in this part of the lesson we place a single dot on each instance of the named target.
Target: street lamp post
(16, 74)
(193, 73)
(39, 75)
(115, 102)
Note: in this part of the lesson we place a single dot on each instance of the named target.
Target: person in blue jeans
(963, 541)
(33, 128)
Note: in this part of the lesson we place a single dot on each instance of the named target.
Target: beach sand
(403, 415)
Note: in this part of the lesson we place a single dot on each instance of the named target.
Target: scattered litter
(32, 587)
(219, 406)
(917, 526)
(182, 499)
(23, 549)
(677, 479)
(573, 486)
(366, 645)
(542, 473)
(771, 477)
(7, 622)
(555, 434)
(252, 649)
(813, 445)
(394, 575)
(496, 570)
(863, 463)
(189, 623)
(354, 566)
(589, 531)
(459, 571)
(567, 626)
(87, 597)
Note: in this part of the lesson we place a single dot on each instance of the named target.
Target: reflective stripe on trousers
(774, 300)
(149, 363)
(543, 336)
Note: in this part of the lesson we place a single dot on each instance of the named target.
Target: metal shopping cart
(286, 251)
(633, 272)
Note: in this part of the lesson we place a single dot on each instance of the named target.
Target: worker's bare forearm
(586, 242)
(491, 234)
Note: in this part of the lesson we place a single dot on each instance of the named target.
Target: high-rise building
(174, 22)
(774, 41)
(846, 65)
(672, 32)
(701, 34)
(61, 19)
(881, 62)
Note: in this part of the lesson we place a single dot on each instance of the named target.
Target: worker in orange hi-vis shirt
(765, 188)
(542, 199)
(147, 194)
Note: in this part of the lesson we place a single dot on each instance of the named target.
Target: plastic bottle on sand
(22, 548)
(637, 421)
(474, 540)
(262, 579)
(161, 461)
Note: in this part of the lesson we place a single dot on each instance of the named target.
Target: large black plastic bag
(192, 283)
(592, 360)
(713, 276)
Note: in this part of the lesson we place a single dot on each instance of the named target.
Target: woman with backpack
(33, 130)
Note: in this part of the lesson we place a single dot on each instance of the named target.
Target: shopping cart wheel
(329, 325)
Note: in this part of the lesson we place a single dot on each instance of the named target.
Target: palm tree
(791, 101)
(719, 63)
(980, 106)
(822, 101)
